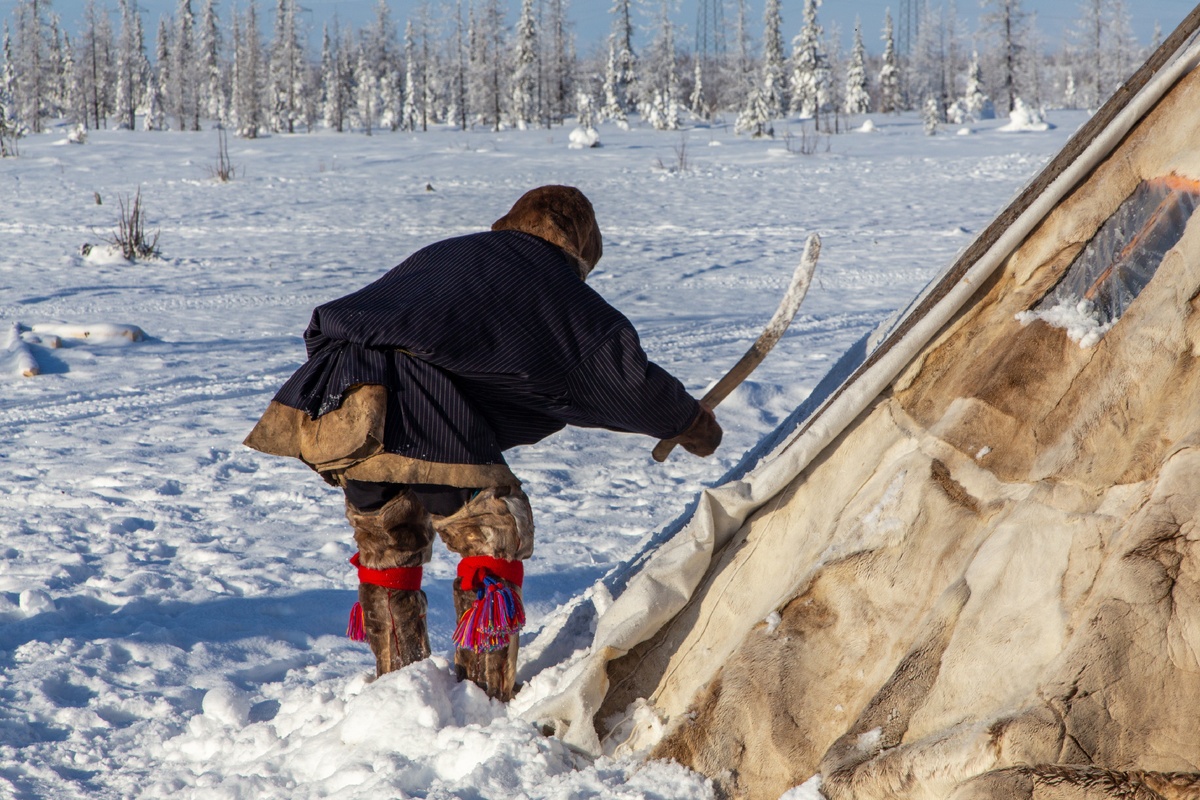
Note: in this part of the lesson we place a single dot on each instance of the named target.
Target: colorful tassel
(488, 625)
(356, 629)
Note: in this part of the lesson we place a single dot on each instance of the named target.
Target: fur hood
(561, 215)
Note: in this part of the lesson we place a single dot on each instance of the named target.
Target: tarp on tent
(975, 568)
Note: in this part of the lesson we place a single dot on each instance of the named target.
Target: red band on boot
(473, 569)
(408, 578)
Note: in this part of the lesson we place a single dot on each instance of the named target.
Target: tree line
(463, 63)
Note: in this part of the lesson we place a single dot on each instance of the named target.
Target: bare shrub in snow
(683, 162)
(223, 170)
(808, 142)
(131, 237)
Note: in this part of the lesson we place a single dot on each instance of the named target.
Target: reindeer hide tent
(974, 570)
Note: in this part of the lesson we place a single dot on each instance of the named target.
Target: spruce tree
(366, 89)
(61, 69)
(660, 92)
(163, 53)
(8, 82)
(131, 65)
(460, 110)
(211, 84)
(559, 62)
(1005, 20)
(429, 68)
(774, 65)
(858, 100)
(156, 113)
(249, 79)
(381, 58)
(978, 105)
(1124, 52)
(286, 70)
(625, 62)
(889, 72)
(32, 87)
(1088, 48)
(488, 65)
(696, 101)
(931, 115)
(525, 69)
(738, 70)
(183, 69)
(755, 117)
(810, 66)
(408, 115)
(332, 105)
(613, 108)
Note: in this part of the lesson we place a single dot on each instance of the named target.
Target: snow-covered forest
(465, 63)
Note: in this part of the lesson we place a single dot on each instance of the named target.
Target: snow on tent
(974, 569)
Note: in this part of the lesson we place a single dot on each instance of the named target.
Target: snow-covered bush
(1025, 118)
(78, 134)
(662, 112)
(583, 137)
(956, 113)
(755, 117)
(931, 115)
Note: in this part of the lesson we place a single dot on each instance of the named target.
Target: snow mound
(104, 255)
(227, 705)
(1025, 118)
(867, 127)
(584, 137)
(95, 332)
(964, 132)
(415, 732)
(1079, 318)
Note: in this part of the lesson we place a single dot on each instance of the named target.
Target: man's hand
(703, 436)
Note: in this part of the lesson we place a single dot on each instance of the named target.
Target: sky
(592, 19)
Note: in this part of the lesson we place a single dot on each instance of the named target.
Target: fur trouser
(399, 534)
(496, 522)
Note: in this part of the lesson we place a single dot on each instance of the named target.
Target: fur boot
(394, 620)
(498, 523)
(494, 672)
(398, 534)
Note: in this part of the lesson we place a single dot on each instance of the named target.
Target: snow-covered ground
(172, 604)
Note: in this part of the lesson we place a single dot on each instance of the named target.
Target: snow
(1079, 318)
(581, 137)
(809, 790)
(20, 353)
(172, 604)
(104, 255)
(1025, 117)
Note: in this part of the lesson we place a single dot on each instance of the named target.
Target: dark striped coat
(485, 342)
